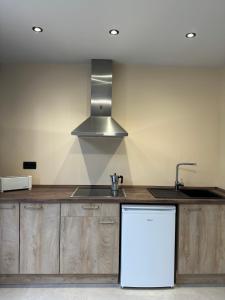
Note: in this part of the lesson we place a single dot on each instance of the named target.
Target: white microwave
(11, 183)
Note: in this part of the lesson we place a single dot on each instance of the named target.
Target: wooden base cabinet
(39, 238)
(89, 239)
(9, 238)
(201, 242)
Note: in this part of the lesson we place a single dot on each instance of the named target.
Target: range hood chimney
(100, 123)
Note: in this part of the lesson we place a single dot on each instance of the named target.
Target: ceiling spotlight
(190, 35)
(37, 29)
(114, 32)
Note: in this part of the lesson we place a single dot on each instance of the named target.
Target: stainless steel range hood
(100, 123)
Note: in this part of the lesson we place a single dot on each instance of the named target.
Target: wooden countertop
(133, 194)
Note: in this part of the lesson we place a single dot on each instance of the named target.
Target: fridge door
(148, 246)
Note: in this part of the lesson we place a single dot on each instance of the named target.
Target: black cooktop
(96, 192)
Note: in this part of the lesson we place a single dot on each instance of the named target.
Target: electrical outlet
(31, 165)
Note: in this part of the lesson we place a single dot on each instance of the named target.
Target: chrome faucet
(178, 184)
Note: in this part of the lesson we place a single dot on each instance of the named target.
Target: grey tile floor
(110, 293)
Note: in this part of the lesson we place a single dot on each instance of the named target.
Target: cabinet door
(201, 239)
(39, 238)
(9, 238)
(90, 210)
(90, 245)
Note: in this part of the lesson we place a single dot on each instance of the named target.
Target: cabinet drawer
(90, 210)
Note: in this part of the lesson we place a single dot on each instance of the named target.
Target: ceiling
(151, 31)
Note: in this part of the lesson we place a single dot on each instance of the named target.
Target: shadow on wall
(104, 156)
(90, 160)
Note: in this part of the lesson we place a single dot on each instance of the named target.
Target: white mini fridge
(147, 246)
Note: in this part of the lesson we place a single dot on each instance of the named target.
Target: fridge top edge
(148, 208)
(126, 207)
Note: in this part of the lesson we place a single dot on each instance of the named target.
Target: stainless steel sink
(96, 192)
(184, 193)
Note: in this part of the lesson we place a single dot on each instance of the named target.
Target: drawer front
(90, 210)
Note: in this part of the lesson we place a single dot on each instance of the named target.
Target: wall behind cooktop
(171, 115)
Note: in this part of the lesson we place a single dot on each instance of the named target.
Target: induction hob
(103, 192)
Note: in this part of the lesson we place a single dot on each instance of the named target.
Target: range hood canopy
(100, 123)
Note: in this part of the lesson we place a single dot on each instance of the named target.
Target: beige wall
(171, 114)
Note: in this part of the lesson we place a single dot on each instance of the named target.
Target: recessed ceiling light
(190, 35)
(37, 29)
(114, 32)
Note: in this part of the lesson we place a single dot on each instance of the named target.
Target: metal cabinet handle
(33, 207)
(194, 209)
(107, 222)
(90, 206)
(8, 207)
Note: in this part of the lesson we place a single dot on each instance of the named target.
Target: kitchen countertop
(133, 194)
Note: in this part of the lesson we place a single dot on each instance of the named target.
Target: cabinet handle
(90, 206)
(8, 207)
(107, 222)
(33, 207)
(194, 209)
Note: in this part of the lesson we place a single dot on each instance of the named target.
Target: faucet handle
(178, 184)
(181, 183)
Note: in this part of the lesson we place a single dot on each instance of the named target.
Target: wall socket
(31, 165)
